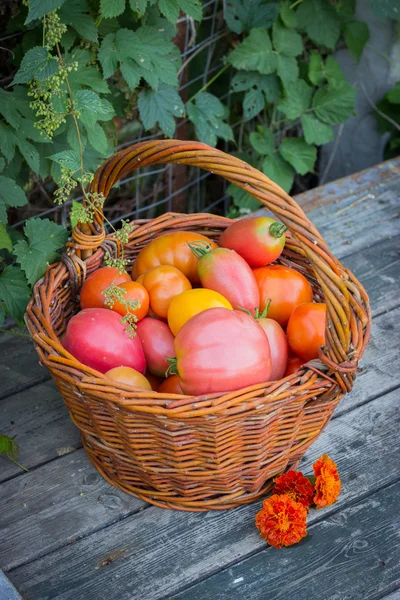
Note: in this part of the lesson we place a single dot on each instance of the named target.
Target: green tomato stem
(264, 313)
(173, 366)
(199, 248)
(277, 229)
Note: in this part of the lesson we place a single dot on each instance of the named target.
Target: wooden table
(67, 534)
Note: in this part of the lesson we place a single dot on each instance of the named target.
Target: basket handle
(331, 275)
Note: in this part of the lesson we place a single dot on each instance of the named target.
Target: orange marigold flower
(327, 481)
(282, 520)
(296, 486)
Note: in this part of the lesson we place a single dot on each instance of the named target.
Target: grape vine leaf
(280, 171)
(356, 35)
(11, 195)
(245, 202)
(297, 99)
(5, 240)
(39, 8)
(244, 15)
(299, 154)
(111, 8)
(286, 41)
(320, 21)
(36, 64)
(44, 239)
(74, 13)
(171, 9)
(334, 103)
(254, 53)
(315, 68)
(315, 131)
(262, 140)
(258, 88)
(333, 72)
(160, 106)
(207, 113)
(287, 14)
(14, 291)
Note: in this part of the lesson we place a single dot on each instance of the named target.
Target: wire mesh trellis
(152, 191)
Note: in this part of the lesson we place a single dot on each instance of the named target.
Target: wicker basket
(209, 452)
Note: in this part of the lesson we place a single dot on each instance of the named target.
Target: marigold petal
(282, 520)
(327, 483)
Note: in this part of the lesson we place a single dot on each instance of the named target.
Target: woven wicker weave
(211, 452)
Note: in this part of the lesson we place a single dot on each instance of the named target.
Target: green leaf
(14, 292)
(39, 8)
(254, 53)
(333, 72)
(36, 64)
(68, 159)
(394, 94)
(207, 114)
(5, 240)
(193, 8)
(44, 238)
(138, 6)
(2, 314)
(299, 154)
(297, 99)
(315, 131)
(97, 138)
(2, 164)
(87, 100)
(386, 9)
(345, 8)
(73, 13)
(10, 195)
(111, 8)
(160, 106)
(170, 9)
(244, 15)
(242, 199)
(315, 68)
(263, 140)
(253, 103)
(268, 84)
(334, 103)
(108, 55)
(280, 171)
(7, 141)
(286, 41)
(29, 152)
(88, 77)
(320, 21)
(288, 69)
(288, 15)
(10, 448)
(356, 35)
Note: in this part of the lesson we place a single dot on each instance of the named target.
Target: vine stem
(295, 4)
(202, 89)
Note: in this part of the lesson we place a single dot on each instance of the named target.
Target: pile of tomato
(209, 318)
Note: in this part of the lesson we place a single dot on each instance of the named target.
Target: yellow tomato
(188, 304)
(129, 376)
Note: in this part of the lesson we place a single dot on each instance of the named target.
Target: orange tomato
(171, 385)
(306, 329)
(192, 302)
(170, 249)
(286, 288)
(134, 292)
(129, 376)
(293, 364)
(91, 293)
(163, 283)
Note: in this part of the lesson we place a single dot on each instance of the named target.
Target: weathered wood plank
(40, 421)
(56, 505)
(354, 554)
(157, 552)
(19, 366)
(7, 590)
(395, 595)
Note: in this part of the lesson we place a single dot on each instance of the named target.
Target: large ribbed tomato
(162, 284)
(91, 295)
(221, 350)
(97, 338)
(226, 272)
(285, 288)
(259, 240)
(278, 345)
(170, 249)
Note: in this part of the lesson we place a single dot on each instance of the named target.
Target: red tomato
(259, 240)
(134, 292)
(306, 329)
(286, 288)
(226, 272)
(97, 338)
(129, 377)
(293, 364)
(278, 346)
(171, 386)
(154, 381)
(158, 344)
(221, 350)
(170, 249)
(163, 283)
(91, 293)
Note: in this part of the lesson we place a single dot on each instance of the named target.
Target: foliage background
(85, 76)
